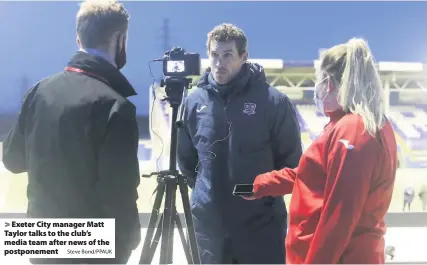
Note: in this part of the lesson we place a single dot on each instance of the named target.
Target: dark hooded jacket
(231, 134)
(77, 138)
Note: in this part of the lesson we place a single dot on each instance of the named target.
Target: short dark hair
(98, 20)
(228, 32)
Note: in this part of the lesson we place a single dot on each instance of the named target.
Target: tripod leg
(183, 239)
(156, 238)
(165, 253)
(189, 221)
(147, 253)
(172, 230)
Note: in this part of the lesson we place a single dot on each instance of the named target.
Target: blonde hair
(360, 91)
(98, 20)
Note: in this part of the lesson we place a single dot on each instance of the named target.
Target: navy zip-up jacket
(229, 139)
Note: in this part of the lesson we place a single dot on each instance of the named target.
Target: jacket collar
(99, 53)
(96, 65)
(250, 75)
(336, 115)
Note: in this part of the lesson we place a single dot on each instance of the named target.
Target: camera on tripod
(177, 66)
(178, 63)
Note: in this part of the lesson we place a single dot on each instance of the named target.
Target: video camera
(178, 63)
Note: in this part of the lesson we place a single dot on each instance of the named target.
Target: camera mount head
(175, 88)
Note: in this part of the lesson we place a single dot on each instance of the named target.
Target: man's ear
(124, 41)
(121, 41)
(78, 43)
(245, 57)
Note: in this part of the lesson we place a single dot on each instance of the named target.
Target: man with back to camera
(235, 127)
(77, 135)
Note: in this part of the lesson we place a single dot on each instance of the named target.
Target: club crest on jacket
(249, 108)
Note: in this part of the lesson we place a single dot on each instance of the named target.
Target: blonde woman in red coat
(342, 187)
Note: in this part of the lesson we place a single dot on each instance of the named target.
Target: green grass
(13, 192)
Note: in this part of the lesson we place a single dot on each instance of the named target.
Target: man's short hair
(228, 32)
(98, 20)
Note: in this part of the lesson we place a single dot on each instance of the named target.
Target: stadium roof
(276, 64)
(296, 74)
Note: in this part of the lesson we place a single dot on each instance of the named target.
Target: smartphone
(243, 190)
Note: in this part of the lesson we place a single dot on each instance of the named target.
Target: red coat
(341, 191)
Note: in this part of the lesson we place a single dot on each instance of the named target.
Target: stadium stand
(405, 83)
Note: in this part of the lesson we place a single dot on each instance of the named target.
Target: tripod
(168, 181)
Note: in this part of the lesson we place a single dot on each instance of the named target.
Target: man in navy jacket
(236, 127)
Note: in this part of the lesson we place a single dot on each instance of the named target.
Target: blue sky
(39, 37)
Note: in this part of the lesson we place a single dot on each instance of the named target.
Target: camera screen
(176, 66)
